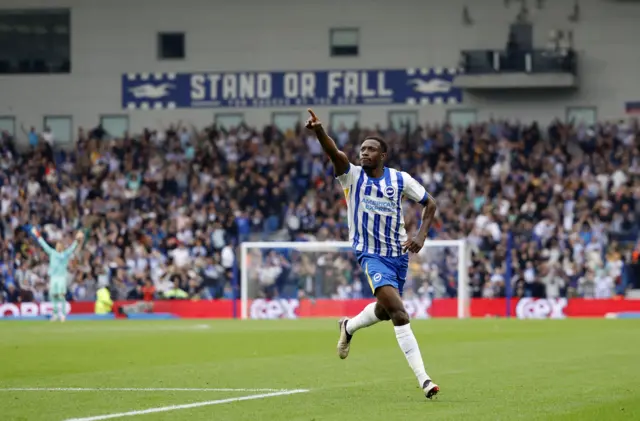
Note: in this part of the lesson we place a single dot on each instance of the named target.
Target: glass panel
(399, 120)
(171, 45)
(582, 115)
(286, 121)
(115, 125)
(462, 118)
(341, 37)
(8, 124)
(60, 127)
(35, 41)
(347, 119)
(229, 121)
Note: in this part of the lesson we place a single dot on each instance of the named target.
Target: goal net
(324, 279)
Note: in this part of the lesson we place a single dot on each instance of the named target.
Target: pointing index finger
(313, 115)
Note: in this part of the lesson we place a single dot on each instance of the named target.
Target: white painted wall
(111, 37)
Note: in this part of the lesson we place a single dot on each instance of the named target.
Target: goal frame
(463, 265)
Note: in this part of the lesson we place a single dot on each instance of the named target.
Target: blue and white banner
(414, 86)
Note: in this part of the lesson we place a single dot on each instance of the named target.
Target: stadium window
(285, 121)
(171, 46)
(582, 115)
(398, 120)
(60, 127)
(8, 124)
(35, 41)
(115, 125)
(229, 120)
(343, 118)
(344, 42)
(462, 118)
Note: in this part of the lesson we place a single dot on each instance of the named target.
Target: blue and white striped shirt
(376, 222)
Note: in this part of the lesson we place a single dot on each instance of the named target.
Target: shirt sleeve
(414, 190)
(47, 248)
(68, 252)
(346, 179)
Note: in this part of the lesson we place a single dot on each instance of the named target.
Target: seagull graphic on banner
(413, 86)
(150, 90)
(432, 86)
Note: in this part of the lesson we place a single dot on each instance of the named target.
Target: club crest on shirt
(377, 277)
(390, 191)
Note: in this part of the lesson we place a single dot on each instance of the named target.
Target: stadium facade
(111, 39)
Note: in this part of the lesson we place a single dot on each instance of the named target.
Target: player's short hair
(383, 144)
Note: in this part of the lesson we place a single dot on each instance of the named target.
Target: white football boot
(430, 389)
(344, 343)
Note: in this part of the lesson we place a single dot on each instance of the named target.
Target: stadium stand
(165, 210)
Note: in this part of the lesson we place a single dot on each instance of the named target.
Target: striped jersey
(376, 223)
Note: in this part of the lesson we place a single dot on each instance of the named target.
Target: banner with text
(418, 308)
(412, 86)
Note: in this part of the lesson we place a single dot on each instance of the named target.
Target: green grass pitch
(487, 369)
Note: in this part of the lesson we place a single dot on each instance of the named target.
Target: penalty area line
(188, 406)
(132, 389)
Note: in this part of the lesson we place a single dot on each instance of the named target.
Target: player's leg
(57, 291)
(62, 305)
(389, 298)
(56, 307)
(370, 315)
(54, 301)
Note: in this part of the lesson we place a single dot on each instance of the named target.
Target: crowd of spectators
(562, 199)
(164, 211)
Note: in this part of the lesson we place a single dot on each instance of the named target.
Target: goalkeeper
(58, 271)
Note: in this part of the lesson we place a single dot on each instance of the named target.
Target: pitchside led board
(413, 86)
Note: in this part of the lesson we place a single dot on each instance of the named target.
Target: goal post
(262, 262)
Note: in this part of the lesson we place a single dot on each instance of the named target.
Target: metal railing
(531, 61)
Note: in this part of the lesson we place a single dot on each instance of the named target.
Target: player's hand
(79, 236)
(413, 245)
(313, 122)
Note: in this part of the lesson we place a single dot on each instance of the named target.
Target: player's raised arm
(78, 241)
(47, 248)
(338, 158)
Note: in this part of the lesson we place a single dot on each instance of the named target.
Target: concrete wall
(111, 37)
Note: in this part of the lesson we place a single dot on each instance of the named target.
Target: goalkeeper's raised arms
(79, 235)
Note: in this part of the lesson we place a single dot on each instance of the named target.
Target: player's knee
(381, 313)
(399, 317)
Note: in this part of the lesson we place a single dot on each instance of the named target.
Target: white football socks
(409, 346)
(366, 318)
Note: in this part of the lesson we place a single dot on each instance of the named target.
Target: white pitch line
(132, 389)
(69, 329)
(188, 406)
